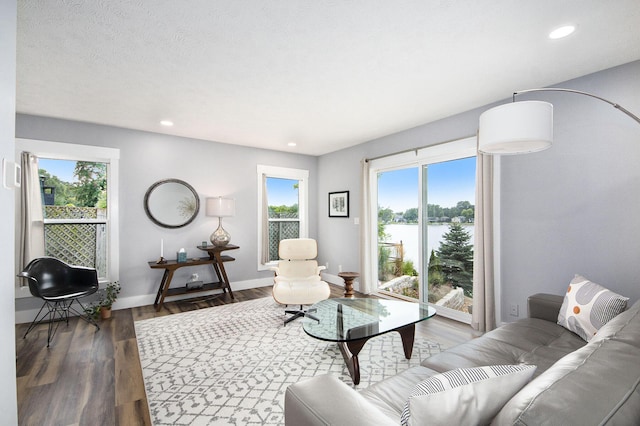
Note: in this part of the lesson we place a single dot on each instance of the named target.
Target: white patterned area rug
(232, 364)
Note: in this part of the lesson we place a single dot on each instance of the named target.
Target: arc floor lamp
(525, 126)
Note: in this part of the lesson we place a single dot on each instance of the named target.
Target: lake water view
(410, 237)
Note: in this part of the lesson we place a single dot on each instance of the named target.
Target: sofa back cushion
(527, 341)
(596, 384)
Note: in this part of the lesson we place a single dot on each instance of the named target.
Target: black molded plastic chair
(59, 285)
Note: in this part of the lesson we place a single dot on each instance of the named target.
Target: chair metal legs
(56, 312)
(298, 313)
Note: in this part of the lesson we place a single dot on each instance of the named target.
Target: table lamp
(220, 207)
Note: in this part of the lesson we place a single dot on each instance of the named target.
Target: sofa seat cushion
(527, 341)
(597, 384)
(390, 395)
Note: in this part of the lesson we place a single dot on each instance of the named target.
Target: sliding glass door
(425, 223)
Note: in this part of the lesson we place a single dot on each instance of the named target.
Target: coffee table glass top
(344, 320)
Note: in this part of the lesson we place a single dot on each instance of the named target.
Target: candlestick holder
(161, 261)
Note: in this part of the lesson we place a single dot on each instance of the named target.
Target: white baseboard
(27, 315)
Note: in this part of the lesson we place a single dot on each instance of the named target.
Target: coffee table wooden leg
(350, 351)
(407, 334)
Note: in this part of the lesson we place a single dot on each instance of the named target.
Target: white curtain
(366, 239)
(31, 218)
(264, 249)
(483, 316)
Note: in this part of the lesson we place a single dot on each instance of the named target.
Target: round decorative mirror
(171, 203)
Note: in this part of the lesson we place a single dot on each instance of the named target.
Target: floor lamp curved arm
(559, 89)
(526, 126)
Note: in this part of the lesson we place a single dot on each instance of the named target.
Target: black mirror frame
(162, 182)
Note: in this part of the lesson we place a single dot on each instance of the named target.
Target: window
(424, 206)
(282, 209)
(75, 211)
(79, 187)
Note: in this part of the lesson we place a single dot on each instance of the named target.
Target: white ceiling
(326, 74)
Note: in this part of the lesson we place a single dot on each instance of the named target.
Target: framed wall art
(339, 204)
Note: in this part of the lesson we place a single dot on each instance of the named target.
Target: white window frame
(302, 176)
(452, 150)
(110, 156)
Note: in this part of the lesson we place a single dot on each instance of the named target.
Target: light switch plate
(11, 174)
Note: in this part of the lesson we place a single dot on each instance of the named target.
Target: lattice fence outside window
(77, 235)
(280, 229)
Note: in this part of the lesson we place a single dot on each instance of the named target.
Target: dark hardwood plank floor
(94, 378)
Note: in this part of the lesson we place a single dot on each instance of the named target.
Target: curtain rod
(416, 149)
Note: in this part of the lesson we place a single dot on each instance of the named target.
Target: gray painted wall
(571, 209)
(8, 398)
(574, 208)
(211, 168)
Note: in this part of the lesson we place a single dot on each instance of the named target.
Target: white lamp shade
(516, 128)
(220, 207)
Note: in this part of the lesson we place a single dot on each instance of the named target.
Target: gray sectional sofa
(576, 383)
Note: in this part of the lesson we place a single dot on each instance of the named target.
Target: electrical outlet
(339, 268)
(514, 311)
(326, 265)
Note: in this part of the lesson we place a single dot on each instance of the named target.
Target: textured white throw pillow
(465, 396)
(588, 306)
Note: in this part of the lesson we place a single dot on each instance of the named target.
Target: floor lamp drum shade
(516, 128)
(220, 207)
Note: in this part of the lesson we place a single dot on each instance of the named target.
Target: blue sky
(447, 183)
(63, 169)
(281, 192)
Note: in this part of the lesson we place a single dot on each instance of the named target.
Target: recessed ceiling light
(292, 144)
(562, 31)
(166, 123)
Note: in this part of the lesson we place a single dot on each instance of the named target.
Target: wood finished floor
(94, 378)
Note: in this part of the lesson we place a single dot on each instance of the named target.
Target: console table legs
(164, 287)
(216, 259)
(218, 266)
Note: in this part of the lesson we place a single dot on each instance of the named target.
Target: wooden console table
(216, 259)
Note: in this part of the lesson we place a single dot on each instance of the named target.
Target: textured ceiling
(326, 74)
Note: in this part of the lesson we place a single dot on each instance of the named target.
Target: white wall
(211, 168)
(570, 209)
(8, 400)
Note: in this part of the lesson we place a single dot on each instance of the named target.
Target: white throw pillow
(465, 396)
(588, 306)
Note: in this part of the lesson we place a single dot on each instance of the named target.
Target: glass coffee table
(351, 322)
